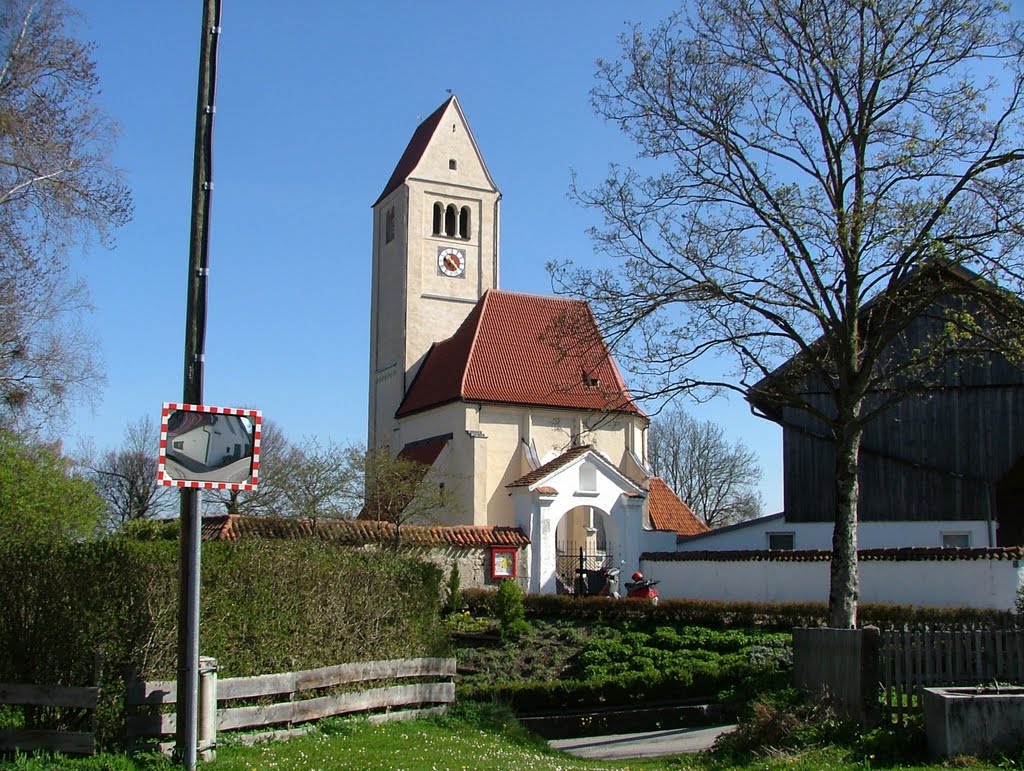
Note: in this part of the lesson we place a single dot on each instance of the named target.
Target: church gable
(576, 471)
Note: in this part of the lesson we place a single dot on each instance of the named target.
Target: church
(512, 399)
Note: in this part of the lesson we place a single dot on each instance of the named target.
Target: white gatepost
(207, 738)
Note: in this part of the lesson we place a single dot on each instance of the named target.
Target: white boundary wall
(818, 535)
(973, 583)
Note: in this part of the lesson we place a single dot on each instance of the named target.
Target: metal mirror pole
(195, 332)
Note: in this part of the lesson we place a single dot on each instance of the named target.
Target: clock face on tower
(451, 262)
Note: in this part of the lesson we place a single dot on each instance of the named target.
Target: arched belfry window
(464, 222)
(450, 217)
(438, 217)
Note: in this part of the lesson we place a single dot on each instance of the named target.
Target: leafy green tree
(40, 499)
(814, 177)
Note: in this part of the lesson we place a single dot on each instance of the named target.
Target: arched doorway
(584, 539)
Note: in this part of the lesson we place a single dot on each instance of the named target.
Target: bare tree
(320, 481)
(126, 477)
(814, 175)
(268, 499)
(58, 189)
(402, 491)
(718, 480)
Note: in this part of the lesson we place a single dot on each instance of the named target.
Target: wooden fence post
(870, 675)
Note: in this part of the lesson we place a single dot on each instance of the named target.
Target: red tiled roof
(552, 465)
(901, 554)
(232, 527)
(414, 150)
(522, 349)
(668, 512)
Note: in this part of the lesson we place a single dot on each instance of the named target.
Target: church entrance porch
(577, 499)
(582, 549)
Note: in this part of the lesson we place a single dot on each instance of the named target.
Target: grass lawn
(472, 742)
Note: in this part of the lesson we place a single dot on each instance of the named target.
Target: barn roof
(930, 282)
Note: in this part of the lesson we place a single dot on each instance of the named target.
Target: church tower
(435, 253)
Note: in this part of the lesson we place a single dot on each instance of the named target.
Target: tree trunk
(844, 589)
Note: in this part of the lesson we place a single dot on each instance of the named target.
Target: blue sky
(314, 108)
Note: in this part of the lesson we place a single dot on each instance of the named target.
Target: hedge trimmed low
(781, 616)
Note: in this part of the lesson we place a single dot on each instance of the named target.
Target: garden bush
(508, 608)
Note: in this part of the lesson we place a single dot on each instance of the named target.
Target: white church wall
(974, 583)
(818, 535)
(552, 433)
(456, 466)
(502, 427)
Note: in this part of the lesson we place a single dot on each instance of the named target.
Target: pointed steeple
(421, 140)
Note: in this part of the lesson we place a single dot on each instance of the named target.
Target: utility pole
(195, 335)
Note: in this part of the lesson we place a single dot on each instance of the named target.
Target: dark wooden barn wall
(928, 458)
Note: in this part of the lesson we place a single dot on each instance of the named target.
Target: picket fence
(289, 698)
(916, 659)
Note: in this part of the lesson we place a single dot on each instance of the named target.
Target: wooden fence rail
(912, 660)
(55, 696)
(281, 707)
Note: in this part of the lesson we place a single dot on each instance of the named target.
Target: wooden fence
(281, 707)
(49, 696)
(912, 660)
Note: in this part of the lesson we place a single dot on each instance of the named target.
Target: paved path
(642, 745)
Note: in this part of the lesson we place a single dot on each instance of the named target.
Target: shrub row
(725, 615)
(715, 680)
(267, 606)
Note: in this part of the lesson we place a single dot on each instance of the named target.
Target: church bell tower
(435, 252)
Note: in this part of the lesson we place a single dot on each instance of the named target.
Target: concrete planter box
(974, 720)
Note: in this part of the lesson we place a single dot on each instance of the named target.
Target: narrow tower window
(464, 222)
(450, 216)
(453, 164)
(389, 225)
(438, 217)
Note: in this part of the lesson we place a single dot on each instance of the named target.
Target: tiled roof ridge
(484, 301)
(469, 326)
(357, 531)
(553, 465)
(889, 554)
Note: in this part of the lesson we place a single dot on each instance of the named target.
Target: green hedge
(717, 680)
(267, 606)
(726, 615)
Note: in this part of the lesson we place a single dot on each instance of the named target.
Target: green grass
(481, 738)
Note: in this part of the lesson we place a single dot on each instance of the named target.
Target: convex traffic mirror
(209, 447)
